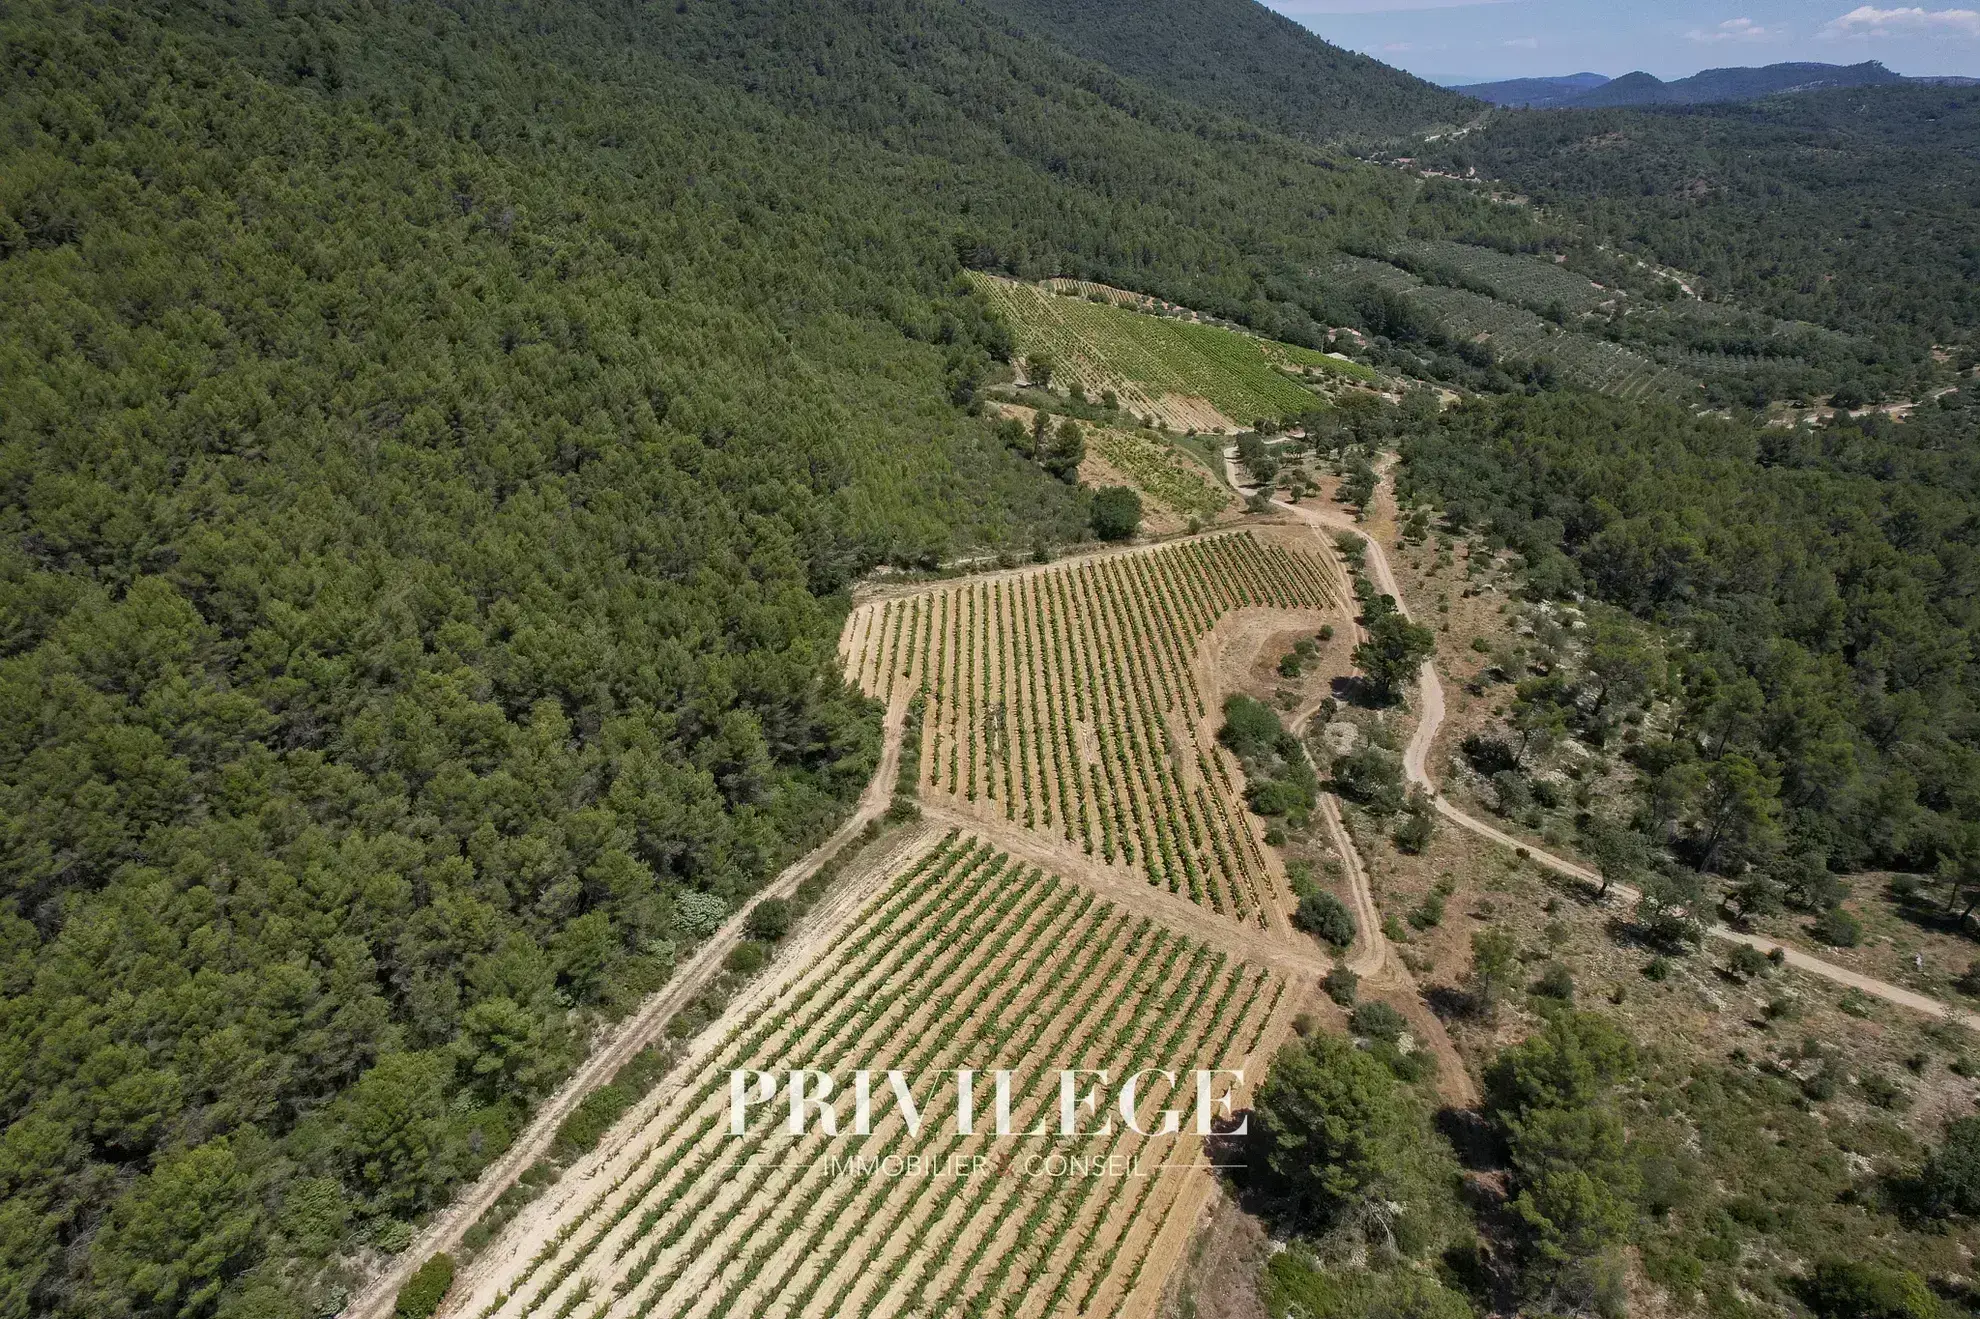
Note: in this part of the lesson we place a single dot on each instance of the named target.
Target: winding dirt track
(1372, 959)
(1430, 697)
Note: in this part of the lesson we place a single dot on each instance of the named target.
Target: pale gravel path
(379, 1298)
(1430, 695)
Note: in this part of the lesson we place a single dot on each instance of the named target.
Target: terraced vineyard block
(963, 959)
(1069, 699)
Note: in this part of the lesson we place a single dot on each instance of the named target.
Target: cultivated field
(1181, 373)
(1079, 702)
(960, 958)
(1530, 281)
(1516, 335)
(1153, 466)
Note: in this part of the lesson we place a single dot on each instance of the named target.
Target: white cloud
(1870, 21)
(1523, 43)
(1397, 47)
(1733, 29)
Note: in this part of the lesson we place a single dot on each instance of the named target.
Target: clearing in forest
(1515, 334)
(1154, 467)
(1081, 702)
(961, 959)
(1180, 373)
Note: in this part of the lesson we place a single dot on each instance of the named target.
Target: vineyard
(1159, 472)
(1158, 365)
(1530, 281)
(1070, 701)
(1516, 335)
(962, 959)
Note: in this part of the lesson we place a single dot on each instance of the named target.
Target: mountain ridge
(1239, 58)
(1708, 86)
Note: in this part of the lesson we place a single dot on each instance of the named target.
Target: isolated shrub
(747, 957)
(1287, 796)
(1747, 962)
(698, 915)
(769, 920)
(1556, 983)
(1250, 728)
(1821, 1085)
(427, 1287)
(1855, 1289)
(1342, 985)
(1371, 778)
(1884, 1091)
(1511, 793)
(1429, 913)
(591, 1119)
(1837, 928)
(1488, 755)
(1414, 834)
(1322, 915)
(1378, 1021)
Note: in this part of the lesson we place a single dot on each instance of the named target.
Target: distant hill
(1239, 58)
(1593, 91)
(1535, 93)
(1736, 84)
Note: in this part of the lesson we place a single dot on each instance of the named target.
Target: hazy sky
(1670, 38)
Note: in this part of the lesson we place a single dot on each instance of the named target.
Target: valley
(572, 574)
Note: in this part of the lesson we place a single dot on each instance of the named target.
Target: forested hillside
(1240, 58)
(1739, 84)
(435, 443)
(1822, 584)
(1851, 209)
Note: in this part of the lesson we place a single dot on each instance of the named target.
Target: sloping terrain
(1744, 84)
(1239, 58)
(1168, 369)
(1852, 210)
(965, 959)
(1076, 702)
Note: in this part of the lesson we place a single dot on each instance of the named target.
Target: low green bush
(424, 1291)
(747, 957)
(1378, 1021)
(1322, 915)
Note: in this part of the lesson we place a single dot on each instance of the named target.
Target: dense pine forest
(1853, 209)
(437, 441)
(1823, 583)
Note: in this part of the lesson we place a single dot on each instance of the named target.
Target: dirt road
(1430, 699)
(1290, 953)
(444, 1233)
